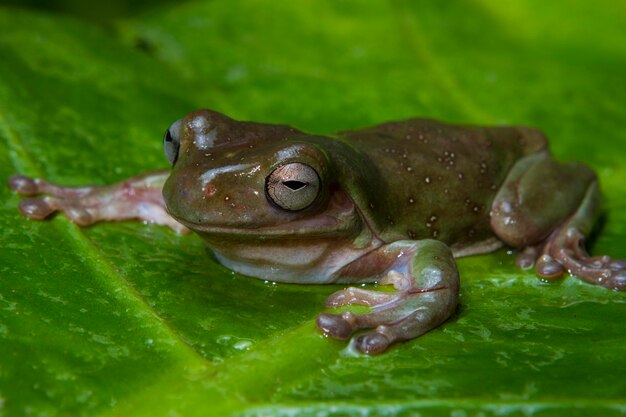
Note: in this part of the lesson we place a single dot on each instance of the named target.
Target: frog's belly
(313, 262)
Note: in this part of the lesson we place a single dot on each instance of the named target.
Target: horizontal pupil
(294, 185)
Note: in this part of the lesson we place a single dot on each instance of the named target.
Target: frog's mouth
(340, 218)
(322, 226)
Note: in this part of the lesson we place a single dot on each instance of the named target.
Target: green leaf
(128, 319)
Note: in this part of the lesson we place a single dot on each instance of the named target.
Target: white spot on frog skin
(209, 175)
(203, 139)
(287, 153)
(432, 277)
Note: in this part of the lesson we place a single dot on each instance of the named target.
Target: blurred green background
(96, 12)
(130, 319)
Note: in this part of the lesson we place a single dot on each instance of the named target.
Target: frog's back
(435, 180)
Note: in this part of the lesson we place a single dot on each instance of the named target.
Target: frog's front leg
(139, 198)
(426, 283)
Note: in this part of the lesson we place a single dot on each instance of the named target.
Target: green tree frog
(391, 204)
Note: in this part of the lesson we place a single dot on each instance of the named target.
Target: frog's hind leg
(135, 198)
(548, 209)
(426, 281)
(566, 246)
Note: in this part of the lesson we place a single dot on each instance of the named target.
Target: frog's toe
(337, 326)
(548, 268)
(527, 257)
(37, 208)
(372, 343)
(24, 185)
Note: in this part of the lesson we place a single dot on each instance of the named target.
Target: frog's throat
(313, 261)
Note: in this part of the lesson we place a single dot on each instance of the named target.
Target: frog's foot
(600, 270)
(136, 198)
(400, 315)
(565, 250)
(426, 295)
(554, 207)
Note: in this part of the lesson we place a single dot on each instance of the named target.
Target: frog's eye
(293, 186)
(171, 142)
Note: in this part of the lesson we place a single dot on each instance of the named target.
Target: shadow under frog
(392, 204)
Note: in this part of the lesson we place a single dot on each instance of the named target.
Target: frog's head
(233, 178)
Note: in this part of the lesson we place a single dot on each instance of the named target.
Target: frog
(393, 204)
